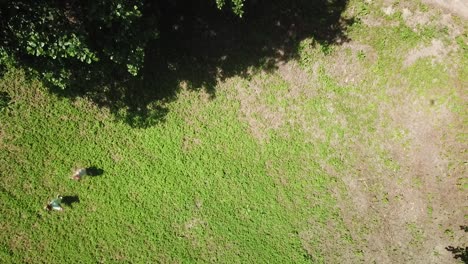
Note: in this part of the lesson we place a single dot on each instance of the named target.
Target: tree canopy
(133, 56)
(57, 33)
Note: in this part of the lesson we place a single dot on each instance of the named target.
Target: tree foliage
(59, 34)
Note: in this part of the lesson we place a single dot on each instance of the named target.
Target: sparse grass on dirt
(349, 153)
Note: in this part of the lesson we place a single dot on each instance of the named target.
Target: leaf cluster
(63, 36)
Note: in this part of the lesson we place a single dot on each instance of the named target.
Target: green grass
(220, 199)
(200, 186)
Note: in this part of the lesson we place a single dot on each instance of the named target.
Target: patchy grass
(344, 154)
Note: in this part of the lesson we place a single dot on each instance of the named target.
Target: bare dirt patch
(405, 200)
(413, 19)
(298, 79)
(427, 186)
(410, 203)
(455, 7)
(415, 16)
(267, 103)
(194, 114)
(375, 21)
(189, 143)
(458, 7)
(437, 50)
(349, 64)
(260, 116)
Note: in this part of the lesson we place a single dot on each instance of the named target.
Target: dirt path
(458, 7)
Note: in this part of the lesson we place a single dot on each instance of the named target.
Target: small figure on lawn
(55, 204)
(79, 174)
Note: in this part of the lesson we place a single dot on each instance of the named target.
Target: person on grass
(79, 174)
(55, 204)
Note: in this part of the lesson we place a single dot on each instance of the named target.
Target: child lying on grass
(55, 204)
(79, 174)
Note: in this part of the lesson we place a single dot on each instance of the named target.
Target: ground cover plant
(347, 148)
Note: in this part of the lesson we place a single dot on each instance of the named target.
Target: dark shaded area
(94, 171)
(3, 69)
(70, 200)
(201, 45)
(4, 100)
(460, 253)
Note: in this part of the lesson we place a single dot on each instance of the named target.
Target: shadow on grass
(203, 46)
(94, 171)
(70, 200)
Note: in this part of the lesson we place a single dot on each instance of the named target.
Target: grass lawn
(346, 154)
(196, 187)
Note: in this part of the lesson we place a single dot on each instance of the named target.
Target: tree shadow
(460, 253)
(94, 171)
(70, 200)
(200, 46)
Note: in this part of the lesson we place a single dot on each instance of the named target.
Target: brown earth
(410, 209)
(406, 190)
(458, 7)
